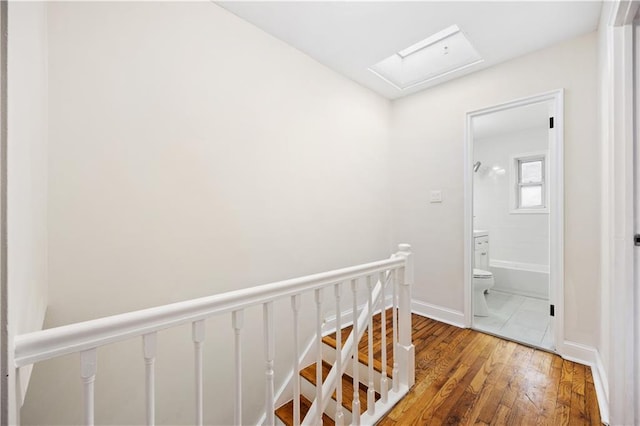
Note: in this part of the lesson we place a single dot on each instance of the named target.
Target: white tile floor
(521, 318)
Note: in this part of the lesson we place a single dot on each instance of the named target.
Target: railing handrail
(45, 344)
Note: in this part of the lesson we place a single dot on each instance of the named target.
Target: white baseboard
(329, 324)
(438, 313)
(577, 352)
(589, 356)
(601, 384)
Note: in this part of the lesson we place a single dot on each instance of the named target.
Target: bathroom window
(529, 183)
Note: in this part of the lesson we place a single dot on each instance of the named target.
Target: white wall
(27, 168)
(192, 154)
(428, 140)
(521, 238)
(606, 204)
(189, 147)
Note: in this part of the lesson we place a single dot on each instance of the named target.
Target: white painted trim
(556, 216)
(50, 343)
(636, 207)
(589, 356)
(438, 313)
(514, 174)
(9, 412)
(329, 324)
(530, 211)
(623, 12)
(469, 238)
(619, 340)
(555, 175)
(577, 352)
(602, 387)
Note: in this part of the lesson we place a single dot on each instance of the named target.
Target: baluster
(197, 332)
(149, 351)
(406, 349)
(269, 355)
(319, 400)
(394, 312)
(371, 392)
(295, 307)
(237, 321)
(88, 367)
(355, 408)
(339, 414)
(384, 385)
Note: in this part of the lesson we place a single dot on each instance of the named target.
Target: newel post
(405, 348)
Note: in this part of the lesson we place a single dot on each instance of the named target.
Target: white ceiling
(349, 37)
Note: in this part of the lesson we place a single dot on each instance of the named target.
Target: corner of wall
(27, 157)
(438, 313)
(590, 356)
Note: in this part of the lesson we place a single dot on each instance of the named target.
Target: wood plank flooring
(464, 377)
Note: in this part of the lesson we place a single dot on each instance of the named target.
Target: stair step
(285, 413)
(309, 373)
(363, 357)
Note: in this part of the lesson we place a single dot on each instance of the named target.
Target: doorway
(513, 220)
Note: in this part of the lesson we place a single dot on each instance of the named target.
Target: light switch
(436, 196)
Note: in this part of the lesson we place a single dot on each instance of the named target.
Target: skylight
(436, 56)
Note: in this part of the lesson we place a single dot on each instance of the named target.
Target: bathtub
(525, 279)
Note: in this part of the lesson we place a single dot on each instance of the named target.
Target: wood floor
(464, 377)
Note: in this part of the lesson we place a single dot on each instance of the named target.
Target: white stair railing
(405, 350)
(87, 337)
(339, 413)
(149, 350)
(376, 296)
(355, 406)
(237, 322)
(349, 350)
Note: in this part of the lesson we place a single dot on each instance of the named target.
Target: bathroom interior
(511, 285)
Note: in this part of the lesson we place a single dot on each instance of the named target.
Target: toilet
(482, 281)
(482, 278)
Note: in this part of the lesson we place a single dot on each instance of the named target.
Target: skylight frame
(419, 46)
(423, 44)
(428, 79)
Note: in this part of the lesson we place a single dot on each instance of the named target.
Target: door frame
(556, 206)
(620, 322)
(8, 407)
(636, 207)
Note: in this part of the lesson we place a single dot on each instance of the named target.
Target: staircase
(329, 342)
(361, 390)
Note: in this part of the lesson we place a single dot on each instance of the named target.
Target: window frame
(516, 183)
